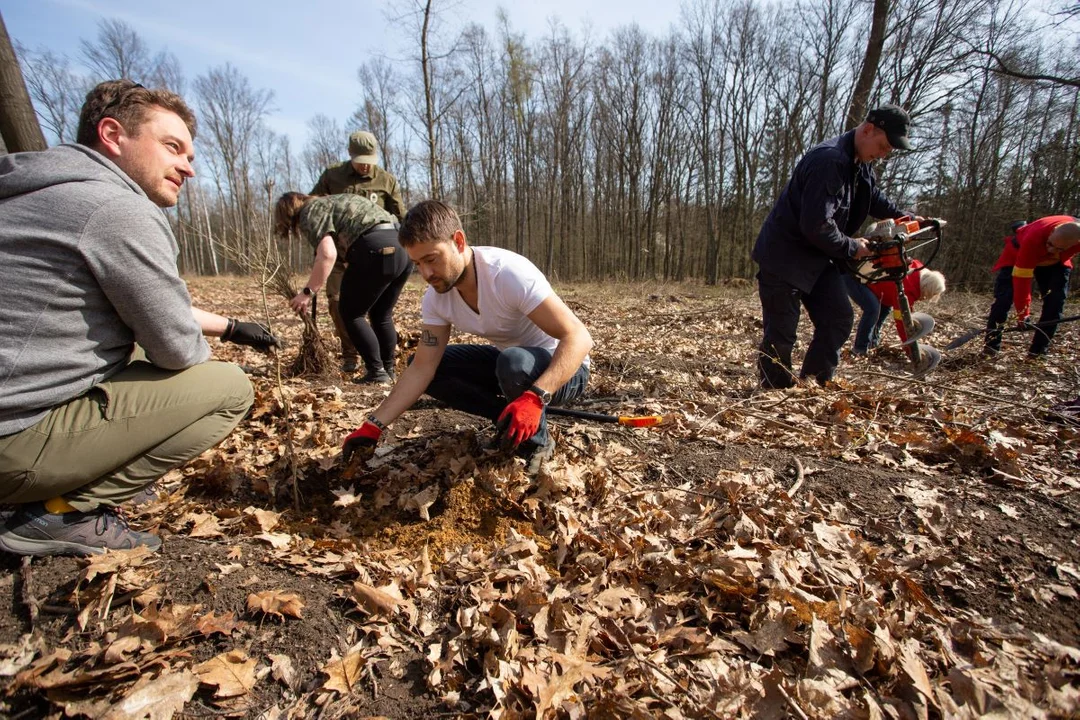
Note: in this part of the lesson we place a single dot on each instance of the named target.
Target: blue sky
(308, 51)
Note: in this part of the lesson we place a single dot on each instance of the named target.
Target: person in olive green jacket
(359, 175)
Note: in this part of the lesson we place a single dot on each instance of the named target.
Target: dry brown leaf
(279, 541)
(281, 666)
(224, 624)
(275, 602)
(206, 525)
(233, 673)
(374, 600)
(160, 699)
(344, 673)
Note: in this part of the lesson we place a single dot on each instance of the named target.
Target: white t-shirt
(509, 287)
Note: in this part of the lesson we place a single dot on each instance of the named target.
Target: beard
(443, 286)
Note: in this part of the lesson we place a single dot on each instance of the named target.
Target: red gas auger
(892, 243)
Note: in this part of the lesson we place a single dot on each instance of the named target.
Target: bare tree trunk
(18, 124)
(429, 108)
(865, 82)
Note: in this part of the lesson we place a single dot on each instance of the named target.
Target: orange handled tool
(627, 420)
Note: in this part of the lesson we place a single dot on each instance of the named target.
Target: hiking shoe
(537, 456)
(350, 366)
(32, 530)
(146, 496)
(377, 377)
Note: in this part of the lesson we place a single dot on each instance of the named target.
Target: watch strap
(544, 395)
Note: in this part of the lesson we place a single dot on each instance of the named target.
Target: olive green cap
(363, 148)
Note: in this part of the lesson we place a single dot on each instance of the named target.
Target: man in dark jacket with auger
(86, 423)
(809, 234)
(359, 175)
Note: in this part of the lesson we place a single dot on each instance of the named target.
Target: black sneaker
(350, 366)
(32, 530)
(378, 377)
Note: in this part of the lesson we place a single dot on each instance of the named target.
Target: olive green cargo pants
(104, 447)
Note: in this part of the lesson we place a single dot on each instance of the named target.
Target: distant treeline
(646, 154)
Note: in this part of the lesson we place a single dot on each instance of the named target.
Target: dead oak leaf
(374, 600)
(267, 519)
(114, 561)
(233, 673)
(344, 673)
(280, 541)
(345, 498)
(160, 699)
(225, 624)
(423, 500)
(206, 525)
(275, 602)
(283, 671)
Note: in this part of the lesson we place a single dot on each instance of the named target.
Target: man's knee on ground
(515, 370)
(226, 381)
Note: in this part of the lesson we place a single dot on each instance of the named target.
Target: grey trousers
(105, 446)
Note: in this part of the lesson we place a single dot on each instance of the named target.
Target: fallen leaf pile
(811, 553)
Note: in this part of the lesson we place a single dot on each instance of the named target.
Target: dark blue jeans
(830, 311)
(1053, 286)
(868, 332)
(481, 380)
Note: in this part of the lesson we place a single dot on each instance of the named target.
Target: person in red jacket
(919, 284)
(1045, 247)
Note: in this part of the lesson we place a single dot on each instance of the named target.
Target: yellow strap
(1023, 272)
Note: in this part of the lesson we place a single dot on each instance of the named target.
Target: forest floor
(882, 547)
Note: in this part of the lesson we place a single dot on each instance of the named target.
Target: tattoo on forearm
(428, 338)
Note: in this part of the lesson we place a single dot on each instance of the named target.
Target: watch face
(307, 291)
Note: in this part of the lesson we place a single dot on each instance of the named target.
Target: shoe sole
(27, 546)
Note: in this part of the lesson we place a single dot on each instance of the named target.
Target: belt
(381, 226)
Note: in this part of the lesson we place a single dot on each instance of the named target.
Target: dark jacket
(827, 199)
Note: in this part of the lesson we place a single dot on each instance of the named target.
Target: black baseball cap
(894, 120)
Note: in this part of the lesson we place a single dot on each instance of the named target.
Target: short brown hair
(287, 211)
(428, 221)
(127, 102)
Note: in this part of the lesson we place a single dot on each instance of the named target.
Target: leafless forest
(648, 153)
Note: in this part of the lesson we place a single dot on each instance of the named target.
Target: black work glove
(249, 333)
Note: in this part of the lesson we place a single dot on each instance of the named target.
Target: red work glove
(521, 418)
(362, 440)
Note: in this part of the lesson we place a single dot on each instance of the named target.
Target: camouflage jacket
(342, 217)
(380, 187)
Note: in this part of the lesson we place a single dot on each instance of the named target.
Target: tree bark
(865, 83)
(19, 127)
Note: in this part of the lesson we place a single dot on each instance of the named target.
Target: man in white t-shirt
(539, 354)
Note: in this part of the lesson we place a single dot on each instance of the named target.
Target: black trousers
(1052, 282)
(377, 272)
(830, 311)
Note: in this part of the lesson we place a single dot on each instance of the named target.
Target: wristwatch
(544, 395)
(307, 291)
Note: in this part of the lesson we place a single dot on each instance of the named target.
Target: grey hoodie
(88, 267)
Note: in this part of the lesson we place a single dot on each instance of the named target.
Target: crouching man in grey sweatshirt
(89, 264)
